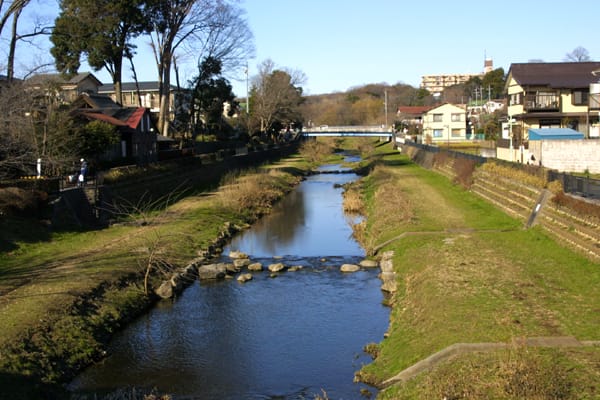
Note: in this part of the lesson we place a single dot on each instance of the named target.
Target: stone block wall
(568, 155)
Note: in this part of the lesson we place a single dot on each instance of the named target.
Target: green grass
(512, 374)
(477, 276)
(63, 293)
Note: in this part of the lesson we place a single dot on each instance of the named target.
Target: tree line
(215, 34)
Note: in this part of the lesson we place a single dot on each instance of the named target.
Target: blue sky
(339, 44)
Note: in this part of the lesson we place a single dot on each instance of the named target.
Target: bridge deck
(357, 134)
(366, 130)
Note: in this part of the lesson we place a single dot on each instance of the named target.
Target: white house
(444, 124)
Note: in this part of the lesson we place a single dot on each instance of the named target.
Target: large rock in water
(349, 268)
(369, 264)
(165, 290)
(255, 267)
(276, 267)
(212, 271)
(237, 254)
(241, 262)
(244, 278)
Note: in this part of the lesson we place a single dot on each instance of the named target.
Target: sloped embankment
(527, 197)
(581, 232)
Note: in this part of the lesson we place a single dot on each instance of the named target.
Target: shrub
(581, 207)
(20, 202)
(353, 202)
(464, 169)
(315, 151)
(254, 193)
(531, 178)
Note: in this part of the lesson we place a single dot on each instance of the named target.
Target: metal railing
(579, 185)
(574, 184)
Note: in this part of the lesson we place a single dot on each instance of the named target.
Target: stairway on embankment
(530, 204)
(523, 201)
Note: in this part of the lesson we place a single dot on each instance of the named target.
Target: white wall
(568, 155)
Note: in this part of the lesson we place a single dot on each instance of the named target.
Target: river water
(292, 336)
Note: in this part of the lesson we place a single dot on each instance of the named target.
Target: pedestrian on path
(82, 173)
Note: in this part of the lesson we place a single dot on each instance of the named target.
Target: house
(551, 95)
(66, 88)
(412, 115)
(147, 94)
(411, 120)
(138, 134)
(444, 124)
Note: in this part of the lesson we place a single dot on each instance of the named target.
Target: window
(549, 123)
(456, 133)
(580, 98)
(438, 133)
(438, 117)
(516, 99)
(456, 117)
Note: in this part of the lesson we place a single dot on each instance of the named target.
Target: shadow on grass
(20, 387)
(396, 162)
(20, 229)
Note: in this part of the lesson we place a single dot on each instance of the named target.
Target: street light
(448, 137)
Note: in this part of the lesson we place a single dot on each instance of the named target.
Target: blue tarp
(554, 134)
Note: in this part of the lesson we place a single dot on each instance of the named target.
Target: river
(290, 336)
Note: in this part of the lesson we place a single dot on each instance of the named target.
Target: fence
(579, 185)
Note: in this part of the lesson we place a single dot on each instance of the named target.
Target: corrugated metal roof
(554, 134)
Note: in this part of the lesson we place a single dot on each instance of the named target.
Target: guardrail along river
(289, 336)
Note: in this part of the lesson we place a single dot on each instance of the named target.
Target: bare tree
(17, 147)
(34, 124)
(8, 9)
(579, 54)
(276, 95)
(201, 27)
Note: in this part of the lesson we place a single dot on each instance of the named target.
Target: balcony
(542, 102)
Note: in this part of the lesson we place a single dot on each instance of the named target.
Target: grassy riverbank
(62, 294)
(468, 273)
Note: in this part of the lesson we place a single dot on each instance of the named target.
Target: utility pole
(386, 107)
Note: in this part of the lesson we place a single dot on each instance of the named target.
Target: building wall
(437, 83)
(566, 99)
(568, 155)
(450, 130)
(514, 88)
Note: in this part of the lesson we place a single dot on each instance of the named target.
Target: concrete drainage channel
(464, 348)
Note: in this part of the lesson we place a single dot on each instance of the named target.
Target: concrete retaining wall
(567, 155)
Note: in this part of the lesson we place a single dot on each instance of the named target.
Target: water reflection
(309, 222)
(285, 337)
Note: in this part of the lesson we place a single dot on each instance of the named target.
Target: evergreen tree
(102, 31)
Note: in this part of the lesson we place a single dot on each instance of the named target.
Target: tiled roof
(569, 75)
(62, 79)
(103, 117)
(125, 117)
(414, 110)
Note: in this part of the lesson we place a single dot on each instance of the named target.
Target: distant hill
(362, 105)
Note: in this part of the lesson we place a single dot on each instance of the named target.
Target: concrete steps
(578, 233)
(513, 198)
(520, 200)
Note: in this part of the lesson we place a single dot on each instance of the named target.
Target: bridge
(362, 131)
